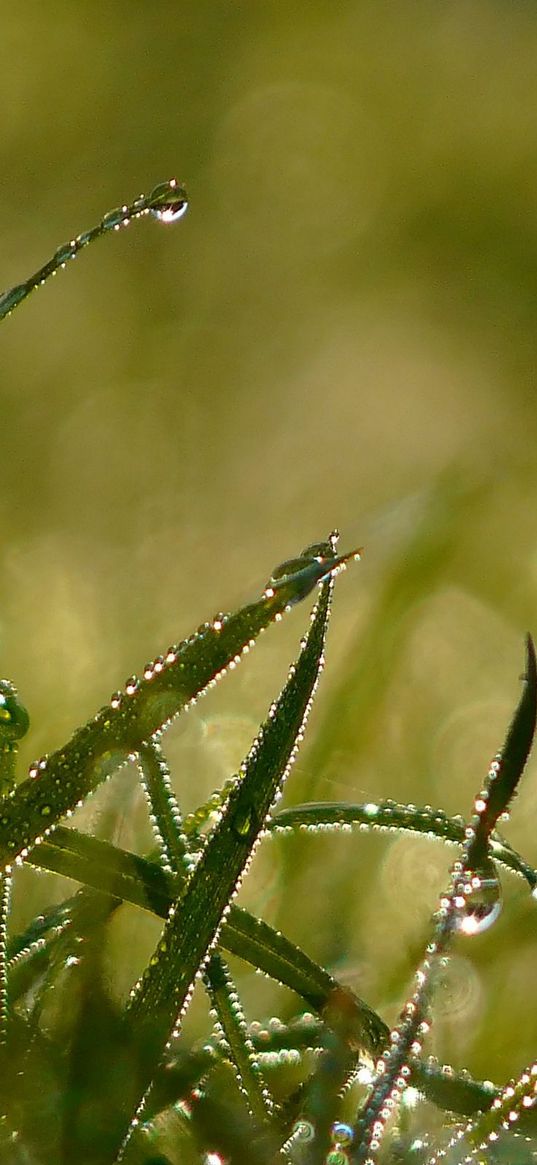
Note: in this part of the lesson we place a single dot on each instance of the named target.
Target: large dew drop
(478, 900)
(168, 202)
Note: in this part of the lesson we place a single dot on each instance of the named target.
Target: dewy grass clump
(98, 1084)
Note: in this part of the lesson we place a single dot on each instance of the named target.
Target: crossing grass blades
(103, 1084)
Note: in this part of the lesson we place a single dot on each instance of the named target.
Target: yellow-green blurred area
(340, 332)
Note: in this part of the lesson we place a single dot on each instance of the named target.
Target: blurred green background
(341, 332)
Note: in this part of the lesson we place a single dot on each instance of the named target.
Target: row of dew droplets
(471, 905)
(14, 724)
(167, 202)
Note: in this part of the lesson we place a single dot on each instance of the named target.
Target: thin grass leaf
(513, 1109)
(469, 906)
(167, 202)
(165, 814)
(29, 953)
(195, 920)
(507, 767)
(14, 724)
(322, 1095)
(232, 1027)
(58, 783)
(391, 816)
(134, 879)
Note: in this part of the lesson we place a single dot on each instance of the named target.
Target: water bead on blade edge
(480, 901)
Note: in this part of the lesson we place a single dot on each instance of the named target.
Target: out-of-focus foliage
(341, 331)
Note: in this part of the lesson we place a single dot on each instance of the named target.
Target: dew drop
(168, 202)
(342, 1135)
(478, 900)
(303, 1131)
(243, 820)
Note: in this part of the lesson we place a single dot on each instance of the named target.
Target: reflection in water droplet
(170, 213)
(243, 820)
(168, 201)
(342, 1135)
(303, 1131)
(478, 901)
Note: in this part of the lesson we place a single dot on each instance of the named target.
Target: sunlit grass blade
(470, 905)
(262, 946)
(134, 879)
(195, 920)
(143, 883)
(507, 767)
(167, 202)
(30, 952)
(233, 1028)
(58, 783)
(322, 1095)
(390, 816)
(507, 1114)
(14, 724)
(5, 896)
(165, 814)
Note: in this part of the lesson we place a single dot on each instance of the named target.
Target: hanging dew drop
(478, 901)
(168, 202)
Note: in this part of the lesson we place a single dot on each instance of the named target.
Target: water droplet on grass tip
(168, 202)
(478, 900)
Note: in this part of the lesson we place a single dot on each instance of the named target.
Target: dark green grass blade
(232, 1025)
(196, 918)
(457, 907)
(133, 879)
(165, 815)
(59, 783)
(391, 816)
(507, 768)
(167, 202)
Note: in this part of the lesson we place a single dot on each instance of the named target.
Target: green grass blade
(165, 814)
(167, 202)
(470, 904)
(143, 883)
(232, 1026)
(507, 767)
(391, 816)
(58, 783)
(195, 920)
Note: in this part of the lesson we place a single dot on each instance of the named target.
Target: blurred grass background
(340, 332)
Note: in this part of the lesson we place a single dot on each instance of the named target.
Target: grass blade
(58, 783)
(167, 202)
(194, 922)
